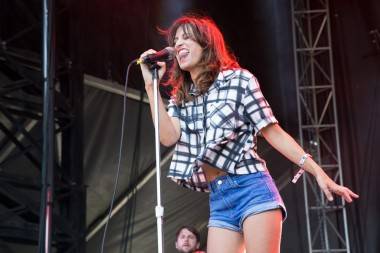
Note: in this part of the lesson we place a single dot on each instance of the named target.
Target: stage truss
(318, 123)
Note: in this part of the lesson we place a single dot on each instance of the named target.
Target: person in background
(187, 240)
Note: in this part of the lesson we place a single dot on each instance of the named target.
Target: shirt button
(219, 182)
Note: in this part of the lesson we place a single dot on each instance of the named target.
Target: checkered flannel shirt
(219, 128)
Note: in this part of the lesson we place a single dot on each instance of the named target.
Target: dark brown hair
(215, 56)
(191, 229)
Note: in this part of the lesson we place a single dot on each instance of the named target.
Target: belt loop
(211, 186)
(229, 179)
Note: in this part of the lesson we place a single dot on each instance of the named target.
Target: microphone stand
(47, 170)
(159, 209)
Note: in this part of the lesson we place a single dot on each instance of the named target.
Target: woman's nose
(178, 43)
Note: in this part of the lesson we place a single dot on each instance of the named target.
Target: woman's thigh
(262, 232)
(222, 240)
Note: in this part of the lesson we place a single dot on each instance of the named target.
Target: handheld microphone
(166, 54)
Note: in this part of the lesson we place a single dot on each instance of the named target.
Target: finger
(328, 194)
(161, 64)
(347, 197)
(347, 194)
(147, 52)
(353, 194)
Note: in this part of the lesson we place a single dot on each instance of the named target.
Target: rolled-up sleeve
(256, 107)
(173, 108)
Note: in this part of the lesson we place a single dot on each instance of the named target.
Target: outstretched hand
(328, 186)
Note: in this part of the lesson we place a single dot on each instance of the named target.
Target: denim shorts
(235, 197)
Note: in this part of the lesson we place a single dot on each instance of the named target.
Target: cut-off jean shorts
(233, 198)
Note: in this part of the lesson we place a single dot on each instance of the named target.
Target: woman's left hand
(328, 186)
(287, 146)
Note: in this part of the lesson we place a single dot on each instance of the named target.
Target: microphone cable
(120, 154)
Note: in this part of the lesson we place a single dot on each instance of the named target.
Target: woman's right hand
(147, 74)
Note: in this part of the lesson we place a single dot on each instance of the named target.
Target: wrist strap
(300, 164)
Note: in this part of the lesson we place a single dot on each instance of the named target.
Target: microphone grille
(172, 52)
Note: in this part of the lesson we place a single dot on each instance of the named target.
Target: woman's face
(189, 52)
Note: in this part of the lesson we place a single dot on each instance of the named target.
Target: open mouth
(183, 53)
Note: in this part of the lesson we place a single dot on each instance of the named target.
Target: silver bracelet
(300, 164)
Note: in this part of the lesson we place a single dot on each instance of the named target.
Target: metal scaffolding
(21, 113)
(318, 122)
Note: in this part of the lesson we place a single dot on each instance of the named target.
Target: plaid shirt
(220, 128)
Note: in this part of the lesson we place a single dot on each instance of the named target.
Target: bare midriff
(211, 172)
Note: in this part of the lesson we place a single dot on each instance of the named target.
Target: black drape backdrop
(357, 68)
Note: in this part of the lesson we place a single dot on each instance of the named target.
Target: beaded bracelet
(300, 164)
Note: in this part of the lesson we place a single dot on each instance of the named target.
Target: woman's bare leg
(221, 240)
(262, 232)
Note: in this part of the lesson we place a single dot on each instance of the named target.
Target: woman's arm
(169, 126)
(287, 146)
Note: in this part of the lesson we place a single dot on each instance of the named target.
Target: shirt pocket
(222, 115)
(194, 124)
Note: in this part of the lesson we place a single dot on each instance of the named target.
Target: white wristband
(300, 164)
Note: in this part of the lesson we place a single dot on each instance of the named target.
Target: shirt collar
(223, 77)
(194, 91)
